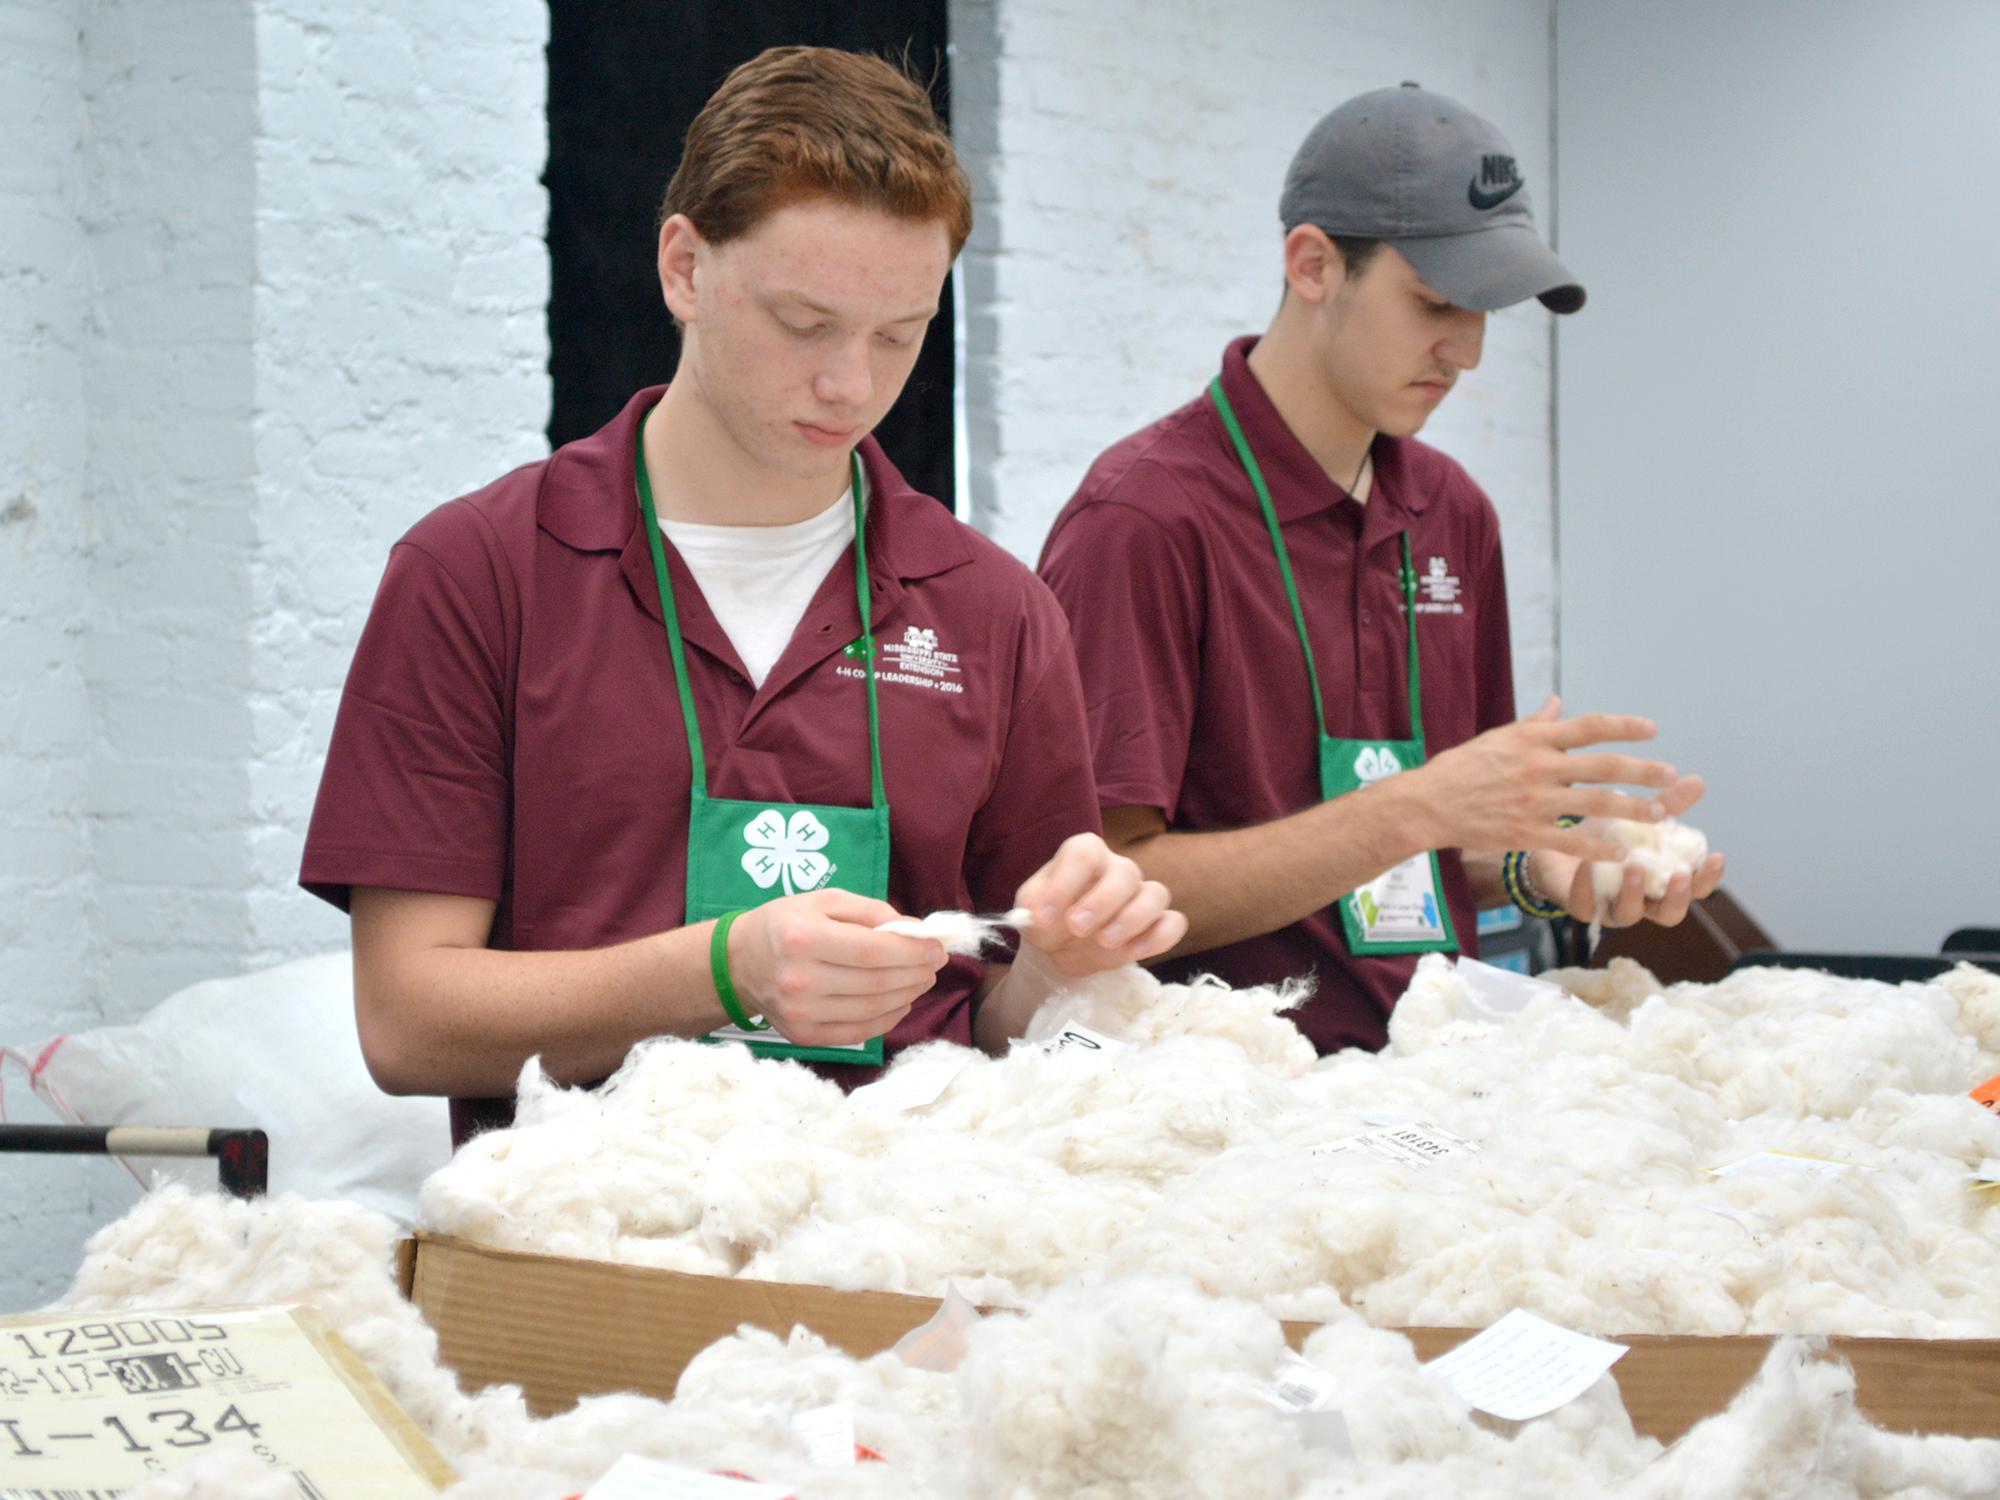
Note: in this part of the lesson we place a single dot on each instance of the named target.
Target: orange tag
(1988, 1093)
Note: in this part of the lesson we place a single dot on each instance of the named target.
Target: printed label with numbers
(93, 1403)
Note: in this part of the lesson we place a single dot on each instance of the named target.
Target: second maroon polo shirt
(510, 727)
(1192, 670)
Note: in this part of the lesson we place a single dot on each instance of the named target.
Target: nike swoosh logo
(1490, 200)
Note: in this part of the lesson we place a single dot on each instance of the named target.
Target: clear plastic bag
(276, 1050)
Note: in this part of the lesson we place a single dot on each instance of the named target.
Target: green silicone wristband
(718, 968)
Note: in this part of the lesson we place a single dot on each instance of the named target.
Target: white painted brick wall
(401, 351)
(1127, 157)
(45, 732)
(273, 285)
(170, 97)
(44, 703)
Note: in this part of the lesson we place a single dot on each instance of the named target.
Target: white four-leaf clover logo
(786, 851)
(1375, 762)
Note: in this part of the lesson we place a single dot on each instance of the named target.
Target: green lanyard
(1409, 577)
(1402, 910)
(742, 853)
(698, 767)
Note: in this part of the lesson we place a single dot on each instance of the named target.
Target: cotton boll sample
(1794, 1431)
(1200, 1151)
(182, 1249)
(1128, 1391)
(960, 932)
(1119, 1386)
(1130, 1004)
(1660, 850)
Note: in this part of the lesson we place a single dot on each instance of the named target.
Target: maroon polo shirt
(510, 727)
(1196, 685)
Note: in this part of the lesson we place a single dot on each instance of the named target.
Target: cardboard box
(562, 1328)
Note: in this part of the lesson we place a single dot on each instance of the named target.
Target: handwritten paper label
(1524, 1366)
(94, 1403)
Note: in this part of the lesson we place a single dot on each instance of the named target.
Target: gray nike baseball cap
(1440, 184)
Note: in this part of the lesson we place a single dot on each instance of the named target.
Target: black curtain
(626, 78)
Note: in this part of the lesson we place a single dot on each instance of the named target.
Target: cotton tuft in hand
(1661, 851)
(961, 932)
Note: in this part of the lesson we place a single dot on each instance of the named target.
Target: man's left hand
(1091, 910)
(1572, 881)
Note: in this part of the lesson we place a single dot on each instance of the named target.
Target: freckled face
(1391, 347)
(801, 333)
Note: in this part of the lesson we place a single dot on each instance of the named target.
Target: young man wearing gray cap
(1281, 599)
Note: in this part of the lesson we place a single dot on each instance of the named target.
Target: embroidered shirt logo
(1375, 763)
(916, 661)
(1439, 590)
(787, 852)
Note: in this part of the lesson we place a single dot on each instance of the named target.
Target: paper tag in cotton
(1524, 1366)
(1079, 1038)
(1786, 1163)
(1301, 1389)
(915, 1082)
(1418, 1144)
(941, 1343)
(1495, 994)
(636, 1478)
(828, 1435)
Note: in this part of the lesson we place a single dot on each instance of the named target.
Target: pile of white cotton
(1201, 1152)
(1129, 1388)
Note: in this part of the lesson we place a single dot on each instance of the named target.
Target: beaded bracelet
(718, 969)
(1514, 880)
(1521, 890)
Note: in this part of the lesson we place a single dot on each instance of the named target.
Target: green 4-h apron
(742, 854)
(1402, 910)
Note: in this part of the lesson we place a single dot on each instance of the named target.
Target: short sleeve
(1134, 601)
(415, 794)
(1044, 791)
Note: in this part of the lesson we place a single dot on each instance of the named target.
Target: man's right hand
(815, 967)
(1505, 789)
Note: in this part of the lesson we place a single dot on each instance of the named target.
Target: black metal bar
(242, 1157)
(55, 1140)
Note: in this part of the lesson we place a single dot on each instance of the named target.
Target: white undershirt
(759, 579)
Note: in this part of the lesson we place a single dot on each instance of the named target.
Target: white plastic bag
(275, 1050)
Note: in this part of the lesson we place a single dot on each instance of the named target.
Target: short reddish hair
(805, 122)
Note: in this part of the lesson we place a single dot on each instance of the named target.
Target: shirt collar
(1298, 485)
(590, 502)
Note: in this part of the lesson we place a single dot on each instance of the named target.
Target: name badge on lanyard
(1401, 910)
(743, 853)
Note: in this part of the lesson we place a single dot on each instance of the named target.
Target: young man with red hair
(651, 738)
